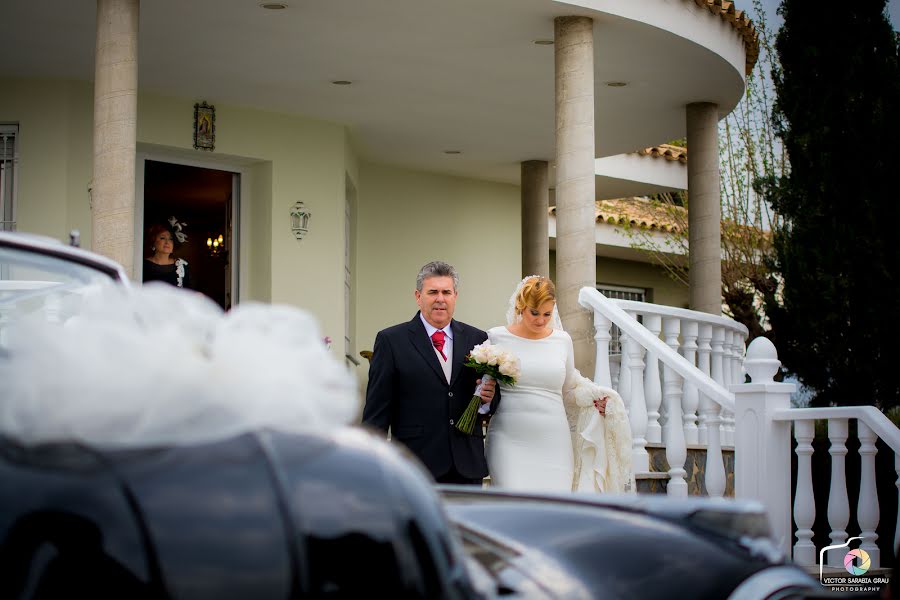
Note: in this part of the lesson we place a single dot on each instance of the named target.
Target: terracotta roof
(741, 23)
(667, 151)
(638, 212)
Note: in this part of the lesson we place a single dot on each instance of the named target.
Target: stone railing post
(762, 446)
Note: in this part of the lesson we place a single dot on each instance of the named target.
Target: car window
(43, 286)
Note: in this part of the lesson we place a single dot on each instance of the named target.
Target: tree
(836, 112)
(748, 152)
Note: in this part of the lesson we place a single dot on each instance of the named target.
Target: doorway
(204, 201)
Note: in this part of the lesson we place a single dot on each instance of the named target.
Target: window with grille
(9, 164)
(617, 292)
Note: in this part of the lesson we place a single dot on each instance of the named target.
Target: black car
(268, 514)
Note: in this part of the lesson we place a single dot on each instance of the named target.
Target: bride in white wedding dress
(529, 443)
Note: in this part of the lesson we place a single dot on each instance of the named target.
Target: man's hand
(600, 405)
(487, 392)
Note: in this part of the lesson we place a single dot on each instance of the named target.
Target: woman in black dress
(160, 265)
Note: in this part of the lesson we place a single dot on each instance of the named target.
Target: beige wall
(408, 218)
(55, 154)
(662, 289)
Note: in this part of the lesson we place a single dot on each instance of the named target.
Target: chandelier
(215, 245)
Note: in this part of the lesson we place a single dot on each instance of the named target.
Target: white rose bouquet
(491, 362)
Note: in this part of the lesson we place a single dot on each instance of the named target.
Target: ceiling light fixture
(342, 82)
(543, 42)
(616, 83)
(273, 6)
(452, 152)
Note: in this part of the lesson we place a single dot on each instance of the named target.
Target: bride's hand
(600, 405)
(487, 390)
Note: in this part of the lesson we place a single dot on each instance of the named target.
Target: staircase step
(695, 470)
(651, 482)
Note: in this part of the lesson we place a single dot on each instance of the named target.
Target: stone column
(535, 207)
(115, 130)
(576, 258)
(705, 211)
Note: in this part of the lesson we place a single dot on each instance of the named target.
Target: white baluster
(728, 378)
(838, 505)
(602, 336)
(737, 375)
(867, 513)
(715, 462)
(615, 365)
(652, 385)
(727, 428)
(676, 449)
(897, 485)
(738, 371)
(624, 388)
(804, 501)
(691, 399)
(638, 414)
(716, 369)
(718, 340)
(704, 350)
(726, 357)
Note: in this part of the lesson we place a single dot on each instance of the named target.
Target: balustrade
(676, 390)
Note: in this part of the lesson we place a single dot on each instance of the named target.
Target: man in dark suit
(419, 387)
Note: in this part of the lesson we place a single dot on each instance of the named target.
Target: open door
(204, 201)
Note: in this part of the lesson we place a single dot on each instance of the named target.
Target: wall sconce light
(215, 245)
(300, 220)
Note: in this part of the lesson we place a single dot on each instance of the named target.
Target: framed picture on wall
(204, 126)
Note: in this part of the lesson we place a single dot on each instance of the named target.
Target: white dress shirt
(448, 346)
(448, 352)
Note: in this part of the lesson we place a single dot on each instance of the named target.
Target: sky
(770, 6)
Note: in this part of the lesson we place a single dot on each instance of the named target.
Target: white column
(676, 449)
(115, 130)
(691, 400)
(867, 513)
(638, 414)
(705, 214)
(706, 406)
(535, 207)
(804, 499)
(602, 337)
(762, 446)
(652, 384)
(624, 387)
(576, 256)
(838, 503)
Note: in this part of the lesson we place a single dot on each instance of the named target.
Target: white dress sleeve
(603, 444)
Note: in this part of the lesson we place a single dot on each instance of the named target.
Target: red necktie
(437, 338)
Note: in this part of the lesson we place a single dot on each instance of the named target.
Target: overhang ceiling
(427, 76)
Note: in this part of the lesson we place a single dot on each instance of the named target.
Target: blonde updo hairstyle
(535, 292)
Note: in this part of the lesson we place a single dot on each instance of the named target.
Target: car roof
(51, 247)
